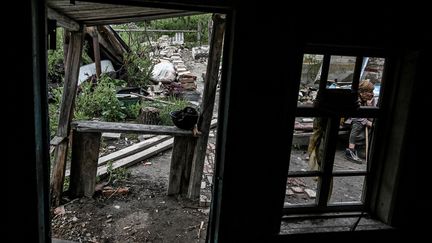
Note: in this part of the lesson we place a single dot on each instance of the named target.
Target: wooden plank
(212, 76)
(133, 149)
(120, 12)
(156, 147)
(63, 20)
(111, 47)
(135, 18)
(131, 160)
(155, 30)
(66, 111)
(66, 40)
(98, 126)
(86, 9)
(85, 153)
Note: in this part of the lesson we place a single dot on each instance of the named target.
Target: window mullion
(328, 158)
(324, 72)
(357, 73)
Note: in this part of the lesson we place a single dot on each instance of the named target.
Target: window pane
(354, 158)
(300, 191)
(341, 72)
(347, 189)
(303, 130)
(309, 78)
(373, 71)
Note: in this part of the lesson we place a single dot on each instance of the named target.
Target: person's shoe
(351, 155)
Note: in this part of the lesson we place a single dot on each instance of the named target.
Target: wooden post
(85, 155)
(181, 161)
(96, 49)
(66, 111)
(210, 30)
(207, 105)
(66, 40)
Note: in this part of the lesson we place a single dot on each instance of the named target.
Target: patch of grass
(165, 109)
(116, 174)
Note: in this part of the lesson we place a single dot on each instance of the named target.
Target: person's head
(366, 88)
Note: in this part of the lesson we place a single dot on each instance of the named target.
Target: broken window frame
(326, 173)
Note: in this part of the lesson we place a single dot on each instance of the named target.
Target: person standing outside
(359, 125)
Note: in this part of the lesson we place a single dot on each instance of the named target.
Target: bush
(138, 69)
(54, 110)
(100, 100)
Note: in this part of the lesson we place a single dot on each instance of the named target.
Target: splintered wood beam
(96, 51)
(63, 20)
(211, 80)
(66, 110)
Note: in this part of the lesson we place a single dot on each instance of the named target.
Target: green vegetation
(138, 69)
(66, 183)
(116, 174)
(136, 39)
(185, 23)
(165, 109)
(55, 59)
(100, 100)
(54, 111)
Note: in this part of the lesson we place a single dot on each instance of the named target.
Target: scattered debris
(111, 135)
(297, 189)
(311, 193)
(200, 228)
(59, 210)
(110, 192)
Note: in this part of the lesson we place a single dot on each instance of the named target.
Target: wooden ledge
(99, 126)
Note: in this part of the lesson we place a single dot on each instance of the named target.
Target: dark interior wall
(412, 209)
(27, 142)
(263, 91)
(255, 158)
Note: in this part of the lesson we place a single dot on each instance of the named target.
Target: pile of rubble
(170, 72)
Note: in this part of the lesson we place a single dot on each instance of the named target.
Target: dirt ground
(144, 214)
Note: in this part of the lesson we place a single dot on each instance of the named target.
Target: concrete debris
(311, 193)
(200, 52)
(297, 189)
(111, 135)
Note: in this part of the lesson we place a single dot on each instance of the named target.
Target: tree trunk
(149, 115)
